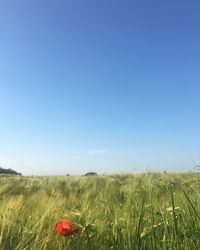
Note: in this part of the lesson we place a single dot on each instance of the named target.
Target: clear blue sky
(106, 86)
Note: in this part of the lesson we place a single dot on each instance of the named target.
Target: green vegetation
(90, 174)
(144, 211)
(8, 171)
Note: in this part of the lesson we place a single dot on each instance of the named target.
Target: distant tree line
(8, 171)
(90, 174)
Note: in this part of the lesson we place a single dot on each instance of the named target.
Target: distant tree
(8, 171)
(90, 174)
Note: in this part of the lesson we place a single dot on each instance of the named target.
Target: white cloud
(97, 152)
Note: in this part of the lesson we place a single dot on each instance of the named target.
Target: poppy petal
(66, 224)
(58, 227)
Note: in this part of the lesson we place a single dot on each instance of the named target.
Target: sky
(99, 85)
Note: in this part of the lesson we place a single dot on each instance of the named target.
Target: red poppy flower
(64, 228)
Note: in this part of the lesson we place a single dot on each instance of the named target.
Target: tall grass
(144, 211)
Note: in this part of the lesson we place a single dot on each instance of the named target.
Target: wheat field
(141, 211)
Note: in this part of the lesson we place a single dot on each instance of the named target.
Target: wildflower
(64, 228)
(169, 209)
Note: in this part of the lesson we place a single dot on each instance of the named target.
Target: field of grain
(142, 211)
